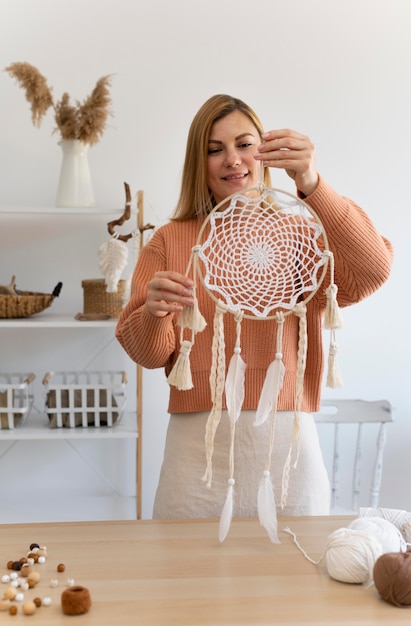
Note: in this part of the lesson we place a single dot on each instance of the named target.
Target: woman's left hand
(293, 152)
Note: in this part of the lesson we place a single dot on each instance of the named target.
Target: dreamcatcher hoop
(280, 250)
(262, 254)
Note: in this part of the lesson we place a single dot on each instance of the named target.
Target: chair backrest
(359, 413)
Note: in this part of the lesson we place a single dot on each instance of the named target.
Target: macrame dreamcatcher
(265, 256)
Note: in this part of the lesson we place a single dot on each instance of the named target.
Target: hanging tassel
(191, 317)
(334, 379)
(332, 318)
(273, 381)
(267, 510)
(227, 512)
(217, 376)
(180, 375)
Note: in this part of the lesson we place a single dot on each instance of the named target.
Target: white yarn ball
(406, 531)
(352, 552)
(386, 532)
(350, 555)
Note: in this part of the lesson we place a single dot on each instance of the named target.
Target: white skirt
(182, 493)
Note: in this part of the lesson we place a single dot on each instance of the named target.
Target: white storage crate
(87, 398)
(16, 398)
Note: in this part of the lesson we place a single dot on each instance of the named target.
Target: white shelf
(56, 320)
(35, 428)
(105, 474)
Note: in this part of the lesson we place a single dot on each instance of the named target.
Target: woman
(225, 148)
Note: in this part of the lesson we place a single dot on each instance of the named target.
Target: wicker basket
(98, 300)
(26, 303)
(16, 399)
(86, 398)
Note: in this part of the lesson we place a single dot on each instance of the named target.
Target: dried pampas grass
(85, 121)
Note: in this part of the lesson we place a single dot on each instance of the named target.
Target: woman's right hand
(168, 292)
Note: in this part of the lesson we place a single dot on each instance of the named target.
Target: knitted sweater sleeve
(362, 256)
(148, 340)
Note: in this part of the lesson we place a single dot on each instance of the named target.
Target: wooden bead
(61, 567)
(4, 604)
(10, 593)
(34, 576)
(13, 610)
(37, 602)
(29, 608)
(25, 570)
(9, 564)
(33, 546)
(33, 555)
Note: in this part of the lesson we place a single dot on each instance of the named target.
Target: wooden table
(178, 574)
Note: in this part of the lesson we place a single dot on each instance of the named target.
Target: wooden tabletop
(176, 573)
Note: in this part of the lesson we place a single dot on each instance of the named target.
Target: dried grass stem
(85, 120)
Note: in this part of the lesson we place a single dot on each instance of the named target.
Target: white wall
(336, 70)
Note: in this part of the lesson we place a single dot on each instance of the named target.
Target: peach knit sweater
(362, 264)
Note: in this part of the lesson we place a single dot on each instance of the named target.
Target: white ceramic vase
(75, 188)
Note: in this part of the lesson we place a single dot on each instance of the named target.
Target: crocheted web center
(262, 253)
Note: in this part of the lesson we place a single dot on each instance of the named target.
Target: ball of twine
(392, 577)
(352, 552)
(75, 600)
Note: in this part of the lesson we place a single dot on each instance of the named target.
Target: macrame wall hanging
(113, 254)
(264, 257)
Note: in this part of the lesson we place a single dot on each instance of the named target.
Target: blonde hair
(195, 198)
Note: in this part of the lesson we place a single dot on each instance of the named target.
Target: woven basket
(26, 303)
(98, 300)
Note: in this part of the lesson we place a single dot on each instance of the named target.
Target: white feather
(112, 258)
(267, 510)
(234, 386)
(269, 395)
(227, 513)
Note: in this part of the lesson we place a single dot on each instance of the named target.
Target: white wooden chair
(353, 415)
